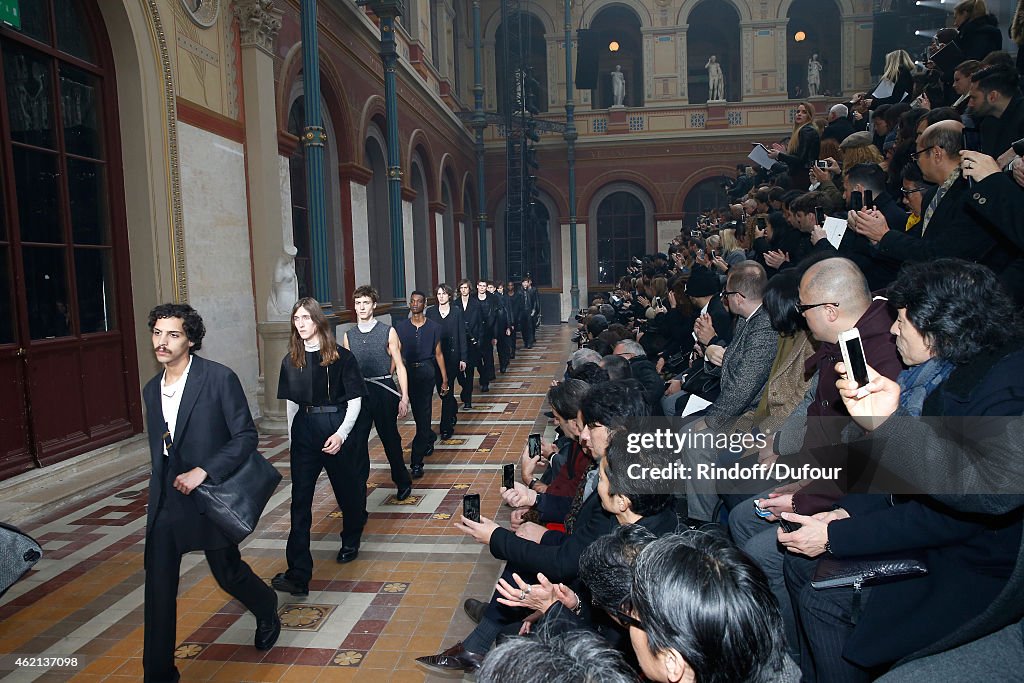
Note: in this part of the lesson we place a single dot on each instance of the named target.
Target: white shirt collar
(181, 380)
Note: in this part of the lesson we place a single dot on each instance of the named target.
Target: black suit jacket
(956, 230)
(472, 316)
(838, 130)
(999, 134)
(214, 430)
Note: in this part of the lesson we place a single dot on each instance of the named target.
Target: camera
(820, 163)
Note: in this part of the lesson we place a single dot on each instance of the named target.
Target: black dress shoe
(268, 630)
(485, 388)
(447, 434)
(468, 405)
(346, 555)
(404, 492)
(454, 660)
(475, 609)
(283, 583)
(417, 471)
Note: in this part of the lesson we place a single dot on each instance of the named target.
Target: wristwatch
(533, 481)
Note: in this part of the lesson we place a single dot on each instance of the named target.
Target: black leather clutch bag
(236, 503)
(864, 571)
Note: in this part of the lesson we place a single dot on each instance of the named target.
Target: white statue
(813, 76)
(716, 81)
(285, 290)
(618, 86)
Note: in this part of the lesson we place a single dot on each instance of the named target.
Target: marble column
(259, 22)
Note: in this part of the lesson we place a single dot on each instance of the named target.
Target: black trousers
(380, 410)
(347, 470)
(421, 393)
(505, 344)
(486, 365)
(466, 377)
(449, 406)
(163, 565)
(526, 326)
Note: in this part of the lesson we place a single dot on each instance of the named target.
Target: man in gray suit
(744, 366)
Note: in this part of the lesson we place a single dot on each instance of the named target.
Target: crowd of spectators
(900, 216)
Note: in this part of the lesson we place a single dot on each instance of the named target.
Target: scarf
(919, 381)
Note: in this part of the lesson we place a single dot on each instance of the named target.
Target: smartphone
(819, 216)
(700, 253)
(471, 506)
(534, 445)
(856, 201)
(657, 299)
(508, 475)
(869, 200)
(789, 527)
(762, 222)
(821, 163)
(695, 233)
(970, 139)
(853, 356)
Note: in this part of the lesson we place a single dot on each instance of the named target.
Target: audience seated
(554, 656)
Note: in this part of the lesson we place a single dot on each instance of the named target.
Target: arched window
(446, 243)
(535, 54)
(621, 235)
(422, 225)
(705, 195)
(67, 337)
(714, 30)
(814, 29)
(621, 44)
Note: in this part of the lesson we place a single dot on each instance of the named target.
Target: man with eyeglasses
(951, 225)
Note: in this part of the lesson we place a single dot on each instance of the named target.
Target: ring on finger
(527, 590)
(522, 596)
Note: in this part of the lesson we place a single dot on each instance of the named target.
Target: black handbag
(236, 503)
(702, 383)
(833, 572)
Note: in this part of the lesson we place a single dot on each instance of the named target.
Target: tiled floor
(363, 621)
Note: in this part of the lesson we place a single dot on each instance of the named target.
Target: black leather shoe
(456, 660)
(268, 630)
(346, 555)
(485, 388)
(503, 369)
(446, 434)
(417, 471)
(468, 405)
(283, 583)
(475, 609)
(404, 492)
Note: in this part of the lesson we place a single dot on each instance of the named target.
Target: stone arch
(691, 181)
(638, 8)
(419, 142)
(552, 27)
(378, 269)
(742, 9)
(845, 8)
(446, 169)
(372, 114)
(421, 256)
(548, 278)
(332, 91)
(586, 197)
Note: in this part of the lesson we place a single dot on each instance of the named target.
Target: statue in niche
(716, 80)
(814, 68)
(284, 292)
(618, 86)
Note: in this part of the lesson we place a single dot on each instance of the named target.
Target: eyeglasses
(622, 613)
(726, 294)
(803, 308)
(907, 193)
(301, 318)
(914, 156)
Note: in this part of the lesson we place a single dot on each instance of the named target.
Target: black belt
(420, 364)
(320, 409)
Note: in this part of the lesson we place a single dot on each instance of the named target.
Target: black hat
(702, 282)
